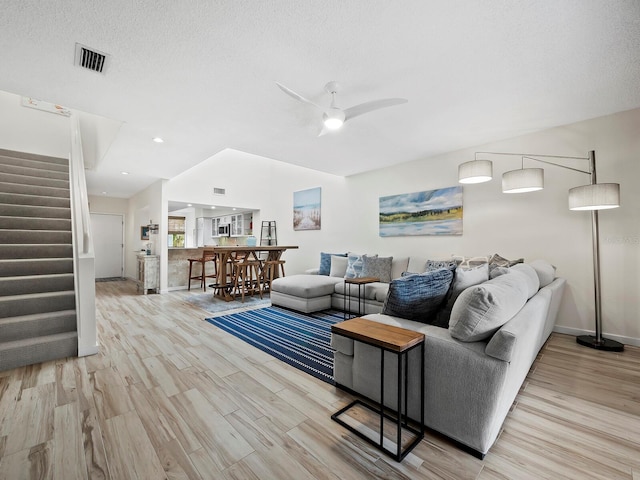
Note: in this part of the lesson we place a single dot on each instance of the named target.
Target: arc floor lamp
(594, 196)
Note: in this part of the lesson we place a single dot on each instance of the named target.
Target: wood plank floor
(171, 396)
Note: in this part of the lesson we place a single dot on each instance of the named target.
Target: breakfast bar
(225, 257)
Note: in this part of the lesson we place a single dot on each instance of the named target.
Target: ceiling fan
(334, 117)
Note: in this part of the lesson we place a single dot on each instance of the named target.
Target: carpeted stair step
(35, 266)
(10, 155)
(49, 323)
(48, 166)
(38, 349)
(39, 181)
(35, 223)
(25, 284)
(32, 171)
(25, 189)
(13, 251)
(36, 200)
(15, 210)
(18, 305)
(34, 236)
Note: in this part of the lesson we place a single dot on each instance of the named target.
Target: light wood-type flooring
(171, 396)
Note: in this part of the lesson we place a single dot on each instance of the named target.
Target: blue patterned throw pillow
(325, 262)
(418, 297)
(354, 265)
(432, 265)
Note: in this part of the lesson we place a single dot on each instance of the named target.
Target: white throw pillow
(338, 266)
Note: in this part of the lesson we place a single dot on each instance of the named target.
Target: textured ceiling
(202, 75)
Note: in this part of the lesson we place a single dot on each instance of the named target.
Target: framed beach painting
(306, 209)
(432, 212)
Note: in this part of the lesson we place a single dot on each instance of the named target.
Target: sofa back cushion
(399, 266)
(546, 272)
(418, 297)
(530, 277)
(482, 309)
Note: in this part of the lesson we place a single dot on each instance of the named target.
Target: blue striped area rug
(301, 340)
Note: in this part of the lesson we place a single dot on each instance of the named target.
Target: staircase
(37, 298)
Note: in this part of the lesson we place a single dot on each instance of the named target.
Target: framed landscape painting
(306, 209)
(432, 212)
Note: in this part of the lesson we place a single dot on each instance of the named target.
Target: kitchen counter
(178, 266)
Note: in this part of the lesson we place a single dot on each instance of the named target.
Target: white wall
(147, 207)
(532, 225)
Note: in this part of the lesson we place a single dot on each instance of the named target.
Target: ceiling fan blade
(293, 94)
(371, 106)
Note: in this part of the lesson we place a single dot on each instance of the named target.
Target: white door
(107, 231)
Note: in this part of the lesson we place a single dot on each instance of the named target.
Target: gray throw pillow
(418, 297)
(379, 267)
(463, 279)
(499, 261)
(481, 310)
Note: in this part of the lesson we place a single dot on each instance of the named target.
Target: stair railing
(83, 254)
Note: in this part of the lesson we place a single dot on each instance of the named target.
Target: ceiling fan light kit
(334, 117)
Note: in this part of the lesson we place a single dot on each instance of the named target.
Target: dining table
(225, 256)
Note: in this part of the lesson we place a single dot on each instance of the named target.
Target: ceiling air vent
(219, 191)
(90, 58)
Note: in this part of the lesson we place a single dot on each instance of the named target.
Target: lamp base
(606, 344)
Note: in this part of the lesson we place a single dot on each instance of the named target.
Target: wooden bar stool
(196, 277)
(206, 257)
(271, 269)
(246, 276)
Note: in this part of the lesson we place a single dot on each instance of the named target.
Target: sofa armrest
(312, 271)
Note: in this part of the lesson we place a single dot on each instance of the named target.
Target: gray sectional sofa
(473, 369)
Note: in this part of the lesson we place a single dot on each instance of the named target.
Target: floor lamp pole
(598, 341)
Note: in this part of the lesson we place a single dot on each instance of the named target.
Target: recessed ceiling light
(189, 205)
(124, 173)
(213, 206)
(234, 209)
(158, 140)
(104, 193)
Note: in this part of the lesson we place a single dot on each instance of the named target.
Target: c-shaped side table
(395, 340)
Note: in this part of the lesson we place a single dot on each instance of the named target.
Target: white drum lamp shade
(475, 171)
(598, 196)
(523, 180)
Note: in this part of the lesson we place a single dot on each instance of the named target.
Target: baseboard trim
(577, 331)
(87, 351)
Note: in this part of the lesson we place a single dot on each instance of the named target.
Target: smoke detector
(91, 59)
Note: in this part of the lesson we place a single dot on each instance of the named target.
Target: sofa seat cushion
(305, 286)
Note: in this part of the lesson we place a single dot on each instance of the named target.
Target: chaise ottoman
(305, 293)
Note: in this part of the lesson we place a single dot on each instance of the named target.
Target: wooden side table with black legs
(399, 341)
(361, 282)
